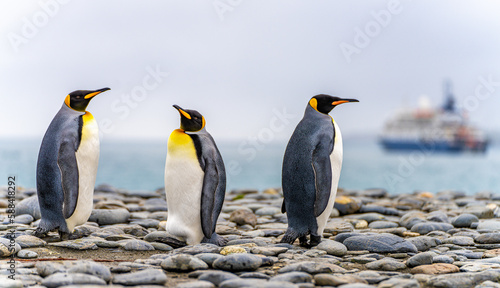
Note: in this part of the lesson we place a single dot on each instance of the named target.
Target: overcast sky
(248, 66)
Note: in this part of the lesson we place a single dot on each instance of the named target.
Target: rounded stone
(143, 277)
(423, 258)
(28, 241)
(182, 263)
(332, 247)
(380, 243)
(27, 254)
(217, 277)
(196, 284)
(268, 211)
(242, 217)
(347, 205)
(426, 227)
(109, 216)
(238, 262)
(386, 264)
(29, 206)
(489, 225)
(464, 220)
(62, 279)
(488, 238)
(208, 258)
(138, 245)
(382, 224)
(293, 277)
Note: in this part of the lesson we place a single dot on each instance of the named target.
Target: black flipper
(210, 181)
(69, 175)
(322, 174)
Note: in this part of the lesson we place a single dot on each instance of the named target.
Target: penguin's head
(325, 103)
(191, 120)
(79, 99)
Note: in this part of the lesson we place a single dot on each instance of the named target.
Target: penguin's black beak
(96, 92)
(341, 101)
(182, 112)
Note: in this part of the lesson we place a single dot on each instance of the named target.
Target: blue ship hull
(432, 146)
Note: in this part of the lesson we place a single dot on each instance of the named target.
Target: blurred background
(250, 68)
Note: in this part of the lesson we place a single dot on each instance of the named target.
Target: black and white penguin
(67, 166)
(195, 181)
(311, 171)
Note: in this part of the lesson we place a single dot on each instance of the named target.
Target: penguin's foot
(40, 232)
(64, 235)
(303, 242)
(215, 239)
(315, 240)
(290, 236)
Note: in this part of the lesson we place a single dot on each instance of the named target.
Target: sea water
(139, 165)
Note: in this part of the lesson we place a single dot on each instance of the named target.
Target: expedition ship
(440, 130)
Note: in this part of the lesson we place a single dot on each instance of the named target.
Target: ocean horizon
(139, 165)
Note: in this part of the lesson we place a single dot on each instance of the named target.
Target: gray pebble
(423, 258)
(27, 254)
(442, 259)
(29, 206)
(293, 277)
(143, 277)
(382, 224)
(488, 238)
(182, 263)
(199, 248)
(61, 279)
(147, 223)
(382, 243)
(79, 244)
(216, 277)
(24, 219)
(424, 243)
(161, 246)
(464, 220)
(426, 227)
(250, 283)
(332, 247)
(196, 284)
(238, 262)
(312, 268)
(463, 279)
(459, 240)
(209, 258)
(138, 245)
(28, 241)
(109, 216)
(255, 275)
(386, 264)
(399, 283)
(268, 211)
(269, 251)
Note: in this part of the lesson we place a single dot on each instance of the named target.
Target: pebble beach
(372, 239)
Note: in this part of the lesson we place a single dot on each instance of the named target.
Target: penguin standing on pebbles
(67, 166)
(311, 171)
(195, 182)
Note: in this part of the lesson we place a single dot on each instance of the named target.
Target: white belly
(336, 162)
(87, 158)
(183, 185)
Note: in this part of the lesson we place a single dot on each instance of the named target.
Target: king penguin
(311, 171)
(67, 166)
(195, 181)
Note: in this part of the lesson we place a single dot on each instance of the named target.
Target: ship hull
(432, 146)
